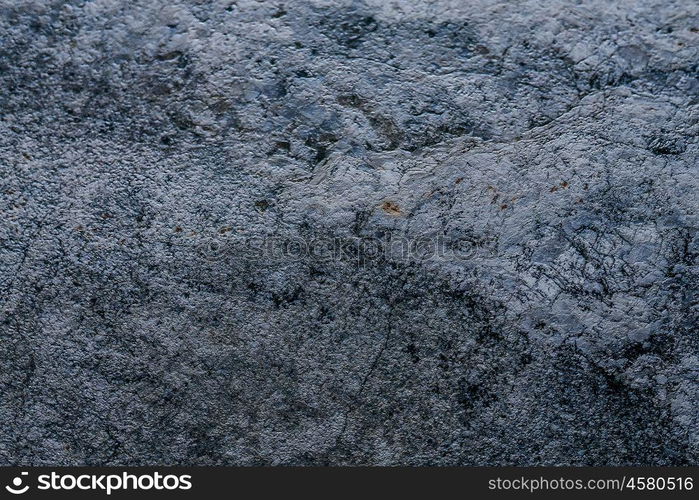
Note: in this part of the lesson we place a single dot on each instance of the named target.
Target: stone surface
(148, 147)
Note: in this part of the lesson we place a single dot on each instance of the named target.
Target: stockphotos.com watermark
(357, 249)
(106, 483)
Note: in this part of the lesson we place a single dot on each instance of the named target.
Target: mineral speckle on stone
(206, 207)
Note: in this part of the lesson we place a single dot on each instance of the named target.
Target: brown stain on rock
(391, 208)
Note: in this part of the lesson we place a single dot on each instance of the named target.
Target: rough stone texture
(557, 141)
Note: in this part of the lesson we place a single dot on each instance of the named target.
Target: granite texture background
(144, 144)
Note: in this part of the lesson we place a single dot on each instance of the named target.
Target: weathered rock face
(201, 202)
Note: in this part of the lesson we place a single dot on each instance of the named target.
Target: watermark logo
(114, 482)
(16, 487)
(360, 250)
(107, 483)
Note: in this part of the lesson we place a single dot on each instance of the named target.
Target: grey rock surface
(150, 151)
